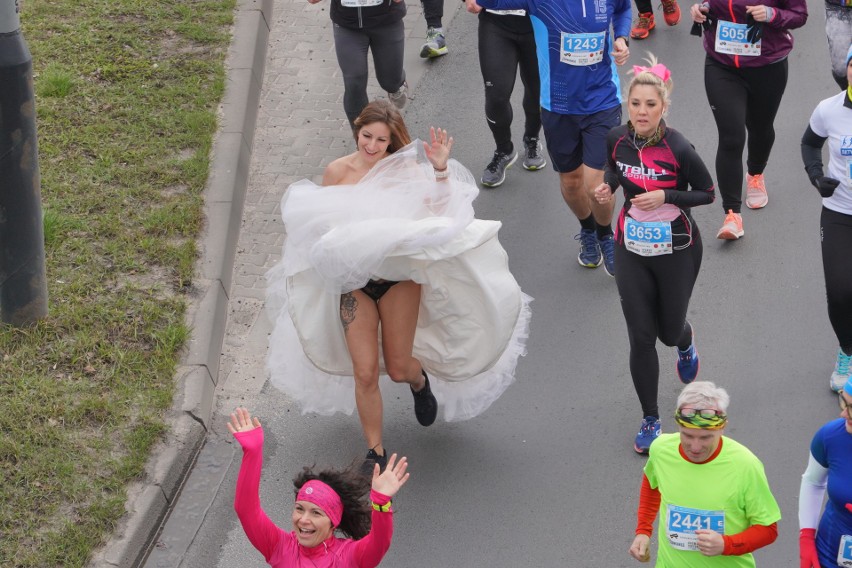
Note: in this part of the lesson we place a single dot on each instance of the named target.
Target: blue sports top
(832, 448)
(573, 42)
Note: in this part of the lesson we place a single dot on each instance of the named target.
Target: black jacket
(345, 13)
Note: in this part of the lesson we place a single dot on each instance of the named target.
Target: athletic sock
(603, 230)
(506, 148)
(588, 223)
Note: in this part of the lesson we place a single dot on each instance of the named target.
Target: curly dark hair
(352, 486)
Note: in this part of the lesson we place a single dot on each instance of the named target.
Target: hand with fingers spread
(438, 152)
(242, 421)
(392, 478)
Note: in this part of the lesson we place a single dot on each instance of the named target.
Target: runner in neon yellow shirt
(715, 504)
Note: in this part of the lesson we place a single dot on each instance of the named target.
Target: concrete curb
(188, 421)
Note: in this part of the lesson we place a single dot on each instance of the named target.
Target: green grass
(126, 97)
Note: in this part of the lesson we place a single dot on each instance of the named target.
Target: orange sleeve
(754, 537)
(649, 506)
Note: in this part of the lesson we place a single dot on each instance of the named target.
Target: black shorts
(574, 140)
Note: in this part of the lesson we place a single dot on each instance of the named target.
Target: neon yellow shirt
(728, 494)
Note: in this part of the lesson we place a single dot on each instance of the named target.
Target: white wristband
(442, 174)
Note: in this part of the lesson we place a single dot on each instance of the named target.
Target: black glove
(696, 27)
(825, 185)
(755, 29)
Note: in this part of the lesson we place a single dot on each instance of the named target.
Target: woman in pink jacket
(325, 502)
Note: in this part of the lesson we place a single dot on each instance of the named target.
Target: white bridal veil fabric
(399, 224)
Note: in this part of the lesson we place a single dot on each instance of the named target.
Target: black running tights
(836, 236)
(655, 293)
(501, 52)
(386, 43)
(743, 100)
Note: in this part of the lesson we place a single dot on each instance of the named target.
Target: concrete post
(23, 281)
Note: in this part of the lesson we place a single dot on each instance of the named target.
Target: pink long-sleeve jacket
(282, 549)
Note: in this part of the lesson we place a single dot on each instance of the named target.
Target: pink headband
(324, 497)
(659, 70)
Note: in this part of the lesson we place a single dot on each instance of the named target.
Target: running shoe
(648, 432)
(756, 197)
(590, 252)
(841, 372)
(671, 12)
(372, 459)
(436, 44)
(732, 228)
(425, 404)
(643, 26)
(400, 97)
(495, 171)
(687, 363)
(533, 159)
(607, 246)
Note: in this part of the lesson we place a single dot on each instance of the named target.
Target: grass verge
(126, 92)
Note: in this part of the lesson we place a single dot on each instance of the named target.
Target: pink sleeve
(370, 550)
(259, 529)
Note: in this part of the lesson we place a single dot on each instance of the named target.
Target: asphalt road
(547, 476)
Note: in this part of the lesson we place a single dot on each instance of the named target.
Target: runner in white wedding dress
(386, 271)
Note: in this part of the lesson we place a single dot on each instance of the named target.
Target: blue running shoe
(841, 372)
(648, 432)
(687, 364)
(590, 253)
(607, 246)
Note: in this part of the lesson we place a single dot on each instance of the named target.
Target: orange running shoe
(732, 228)
(643, 26)
(756, 197)
(671, 12)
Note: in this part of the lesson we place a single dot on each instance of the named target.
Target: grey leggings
(838, 30)
(387, 44)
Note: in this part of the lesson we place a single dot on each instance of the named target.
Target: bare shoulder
(337, 170)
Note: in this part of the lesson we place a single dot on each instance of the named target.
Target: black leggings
(836, 237)
(501, 52)
(655, 293)
(386, 43)
(643, 7)
(743, 100)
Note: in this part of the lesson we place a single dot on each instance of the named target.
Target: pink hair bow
(659, 70)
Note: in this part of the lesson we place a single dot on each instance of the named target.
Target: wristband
(442, 174)
(386, 508)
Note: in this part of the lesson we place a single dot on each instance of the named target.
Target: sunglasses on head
(707, 413)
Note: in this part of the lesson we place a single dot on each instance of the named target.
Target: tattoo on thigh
(348, 305)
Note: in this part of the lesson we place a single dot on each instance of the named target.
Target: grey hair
(664, 88)
(704, 394)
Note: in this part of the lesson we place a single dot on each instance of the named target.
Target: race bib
(649, 238)
(682, 523)
(507, 12)
(731, 39)
(360, 3)
(582, 49)
(844, 555)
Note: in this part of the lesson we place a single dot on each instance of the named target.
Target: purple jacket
(777, 40)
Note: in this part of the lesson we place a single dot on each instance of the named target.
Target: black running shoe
(425, 405)
(372, 459)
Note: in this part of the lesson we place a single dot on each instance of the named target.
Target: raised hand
(438, 152)
(394, 476)
(241, 421)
